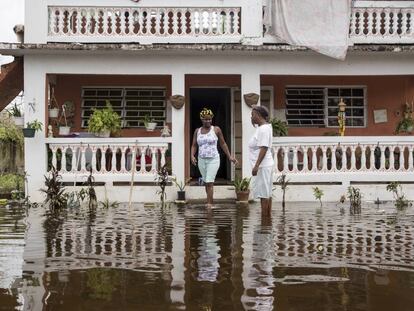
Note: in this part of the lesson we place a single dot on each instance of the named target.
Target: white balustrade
(114, 23)
(376, 22)
(110, 160)
(359, 157)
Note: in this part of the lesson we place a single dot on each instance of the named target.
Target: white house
(139, 54)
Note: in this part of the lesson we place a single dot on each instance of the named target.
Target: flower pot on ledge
(64, 130)
(150, 127)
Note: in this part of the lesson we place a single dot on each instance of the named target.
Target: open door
(219, 101)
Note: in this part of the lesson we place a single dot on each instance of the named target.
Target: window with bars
(132, 104)
(318, 106)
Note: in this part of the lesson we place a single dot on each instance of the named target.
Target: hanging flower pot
(53, 112)
(18, 121)
(28, 132)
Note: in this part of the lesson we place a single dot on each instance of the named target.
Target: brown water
(185, 258)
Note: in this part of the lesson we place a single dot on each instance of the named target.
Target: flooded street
(188, 258)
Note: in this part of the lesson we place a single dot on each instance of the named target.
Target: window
(318, 106)
(132, 104)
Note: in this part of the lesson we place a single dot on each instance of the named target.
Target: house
(139, 54)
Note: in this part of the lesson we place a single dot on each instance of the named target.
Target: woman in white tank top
(205, 141)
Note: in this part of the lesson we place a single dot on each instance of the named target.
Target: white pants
(262, 183)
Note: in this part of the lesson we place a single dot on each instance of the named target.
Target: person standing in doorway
(205, 141)
(261, 159)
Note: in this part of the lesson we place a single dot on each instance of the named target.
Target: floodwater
(188, 258)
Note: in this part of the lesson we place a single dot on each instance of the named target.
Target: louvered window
(132, 104)
(318, 106)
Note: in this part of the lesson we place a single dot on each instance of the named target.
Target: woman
(205, 140)
(261, 157)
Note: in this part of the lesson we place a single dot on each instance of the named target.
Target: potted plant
(16, 115)
(31, 128)
(105, 121)
(53, 106)
(181, 186)
(149, 123)
(64, 129)
(405, 125)
(280, 128)
(241, 186)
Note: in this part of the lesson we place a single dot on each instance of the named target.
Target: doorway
(219, 101)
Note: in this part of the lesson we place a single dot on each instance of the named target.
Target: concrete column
(252, 22)
(35, 21)
(178, 129)
(35, 155)
(250, 83)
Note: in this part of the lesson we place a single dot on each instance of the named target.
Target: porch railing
(334, 159)
(162, 24)
(109, 160)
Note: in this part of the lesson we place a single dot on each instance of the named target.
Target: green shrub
(104, 120)
(9, 132)
(10, 182)
(280, 128)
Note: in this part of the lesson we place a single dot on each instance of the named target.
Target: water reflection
(230, 258)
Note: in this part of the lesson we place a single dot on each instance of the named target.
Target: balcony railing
(144, 24)
(110, 159)
(355, 158)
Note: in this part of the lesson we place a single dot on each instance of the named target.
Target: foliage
(104, 120)
(400, 201)
(90, 191)
(56, 199)
(10, 182)
(162, 181)
(241, 184)
(15, 111)
(35, 124)
(147, 119)
(75, 198)
(108, 204)
(284, 183)
(9, 132)
(180, 184)
(405, 125)
(354, 196)
(280, 128)
(318, 194)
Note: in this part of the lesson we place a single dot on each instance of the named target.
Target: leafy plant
(180, 184)
(108, 204)
(36, 125)
(147, 119)
(9, 132)
(283, 182)
(354, 196)
(90, 191)
(56, 199)
(241, 184)
(405, 125)
(318, 194)
(10, 182)
(162, 181)
(400, 201)
(104, 120)
(15, 111)
(280, 128)
(75, 198)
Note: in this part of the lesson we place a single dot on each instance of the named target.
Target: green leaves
(241, 184)
(104, 120)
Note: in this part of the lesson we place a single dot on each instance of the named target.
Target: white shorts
(262, 183)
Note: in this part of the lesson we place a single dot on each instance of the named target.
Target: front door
(219, 101)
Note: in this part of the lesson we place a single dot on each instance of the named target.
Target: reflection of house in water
(229, 259)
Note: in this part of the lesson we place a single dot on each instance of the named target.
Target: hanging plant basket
(53, 112)
(28, 132)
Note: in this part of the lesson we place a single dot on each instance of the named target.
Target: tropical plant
(162, 179)
(10, 133)
(283, 182)
(280, 128)
(104, 120)
(180, 184)
(147, 120)
(318, 194)
(56, 198)
(35, 125)
(354, 196)
(241, 184)
(400, 201)
(15, 111)
(405, 125)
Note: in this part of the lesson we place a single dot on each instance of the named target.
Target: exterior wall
(383, 92)
(69, 87)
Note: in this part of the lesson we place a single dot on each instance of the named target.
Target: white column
(178, 128)
(35, 22)
(34, 109)
(250, 83)
(252, 22)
